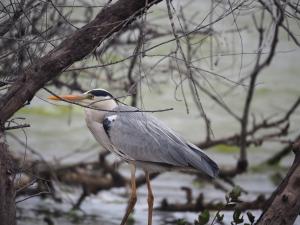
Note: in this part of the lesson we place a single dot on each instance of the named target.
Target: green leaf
(237, 217)
(227, 198)
(220, 217)
(276, 178)
(251, 217)
(235, 193)
(203, 218)
(181, 222)
(130, 220)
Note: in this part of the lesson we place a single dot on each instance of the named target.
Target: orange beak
(67, 97)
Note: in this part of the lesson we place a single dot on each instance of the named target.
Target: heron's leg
(132, 199)
(150, 199)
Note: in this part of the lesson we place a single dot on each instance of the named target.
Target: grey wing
(142, 137)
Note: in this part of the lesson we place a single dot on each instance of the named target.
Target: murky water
(60, 134)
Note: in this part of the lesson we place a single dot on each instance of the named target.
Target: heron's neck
(92, 115)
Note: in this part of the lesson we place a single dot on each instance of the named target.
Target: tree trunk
(7, 191)
(284, 205)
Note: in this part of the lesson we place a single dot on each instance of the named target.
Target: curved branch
(110, 20)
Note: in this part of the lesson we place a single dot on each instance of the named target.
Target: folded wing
(142, 137)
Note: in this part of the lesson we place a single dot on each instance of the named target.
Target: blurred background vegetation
(230, 71)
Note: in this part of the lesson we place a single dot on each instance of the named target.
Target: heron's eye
(90, 96)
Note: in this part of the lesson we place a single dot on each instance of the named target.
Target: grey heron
(140, 139)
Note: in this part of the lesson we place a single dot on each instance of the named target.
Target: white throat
(93, 115)
(94, 119)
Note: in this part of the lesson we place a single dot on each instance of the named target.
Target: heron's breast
(99, 134)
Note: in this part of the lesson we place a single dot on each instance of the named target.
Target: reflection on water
(107, 207)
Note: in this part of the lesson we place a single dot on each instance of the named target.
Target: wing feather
(144, 138)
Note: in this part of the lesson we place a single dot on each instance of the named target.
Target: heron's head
(96, 98)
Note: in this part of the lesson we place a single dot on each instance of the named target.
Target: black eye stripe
(100, 93)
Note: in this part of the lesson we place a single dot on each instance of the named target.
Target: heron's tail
(200, 161)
